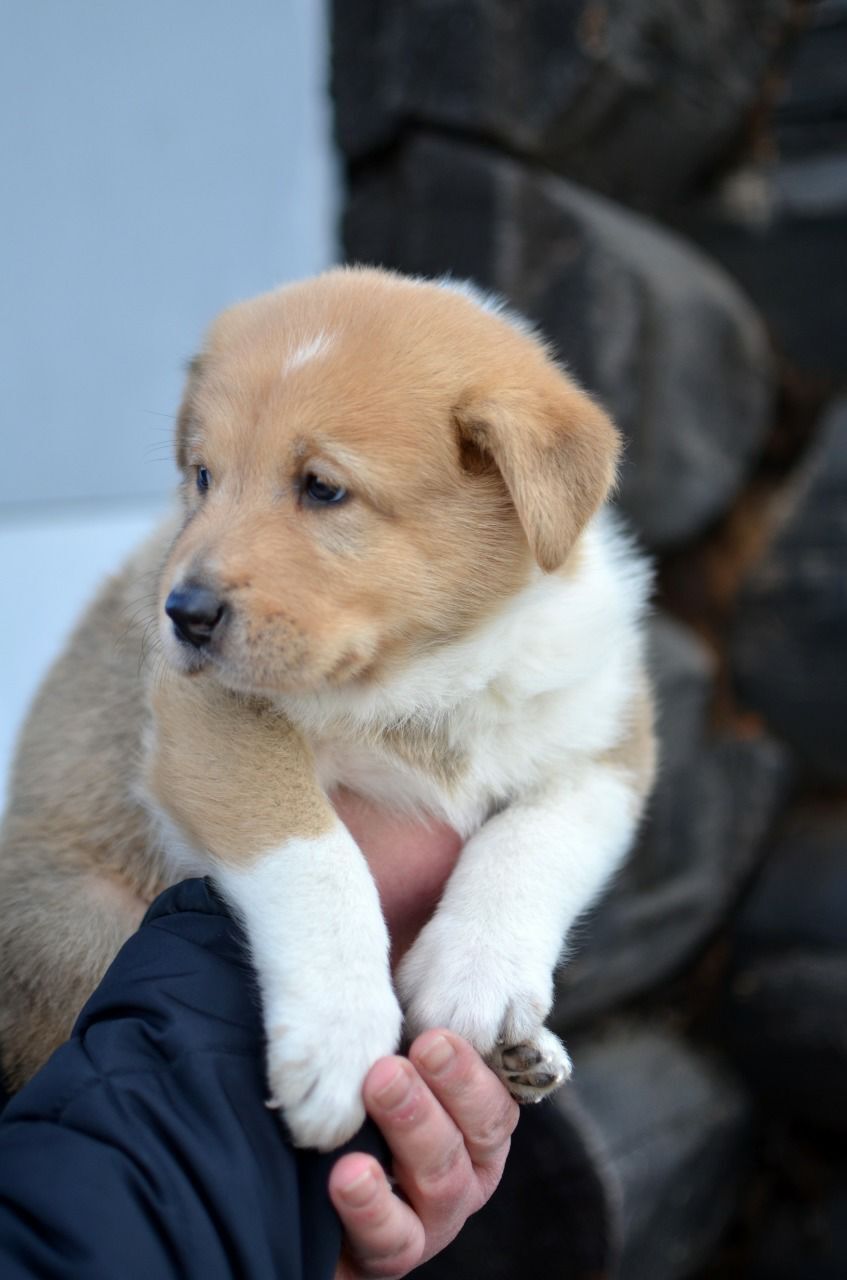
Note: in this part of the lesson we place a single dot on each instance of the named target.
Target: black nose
(195, 612)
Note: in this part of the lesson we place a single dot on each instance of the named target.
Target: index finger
(477, 1102)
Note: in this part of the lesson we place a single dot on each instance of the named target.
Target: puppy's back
(78, 860)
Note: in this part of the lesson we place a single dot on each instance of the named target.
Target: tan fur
(556, 451)
(428, 749)
(466, 454)
(78, 863)
(238, 802)
(637, 751)
(413, 375)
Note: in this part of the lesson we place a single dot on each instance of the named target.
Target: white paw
(534, 1068)
(317, 1064)
(491, 994)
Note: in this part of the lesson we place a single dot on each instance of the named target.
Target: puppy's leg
(320, 948)
(484, 964)
(238, 782)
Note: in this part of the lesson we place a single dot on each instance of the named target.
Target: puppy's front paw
(316, 1068)
(496, 996)
(534, 1068)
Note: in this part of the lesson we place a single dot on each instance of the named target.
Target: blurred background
(159, 162)
(663, 188)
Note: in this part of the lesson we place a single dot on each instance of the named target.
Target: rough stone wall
(663, 188)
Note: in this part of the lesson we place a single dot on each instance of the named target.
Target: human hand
(450, 1137)
(448, 1121)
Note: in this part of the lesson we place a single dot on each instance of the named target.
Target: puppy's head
(371, 466)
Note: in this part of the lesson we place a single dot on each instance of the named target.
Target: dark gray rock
(781, 228)
(803, 1238)
(554, 1213)
(675, 1130)
(714, 802)
(785, 1017)
(781, 233)
(811, 114)
(799, 899)
(637, 100)
(789, 650)
(660, 335)
(785, 1028)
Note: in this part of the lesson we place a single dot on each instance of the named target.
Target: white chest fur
(540, 687)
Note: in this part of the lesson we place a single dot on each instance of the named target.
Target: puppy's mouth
(200, 633)
(189, 662)
(270, 680)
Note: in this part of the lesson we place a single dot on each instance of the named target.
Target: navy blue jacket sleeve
(144, 1147)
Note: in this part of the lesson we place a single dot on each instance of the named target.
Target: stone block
(785, 1013)
(783, 240)
(780, 225)
(789, 648)
(785, 1028)
(811, 112)
(637, 100)
(803, 1237)
(675, 1131)
(799, 898)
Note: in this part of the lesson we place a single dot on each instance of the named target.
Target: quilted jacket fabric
(144, 1147)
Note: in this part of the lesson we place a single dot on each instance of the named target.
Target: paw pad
(533, 1069)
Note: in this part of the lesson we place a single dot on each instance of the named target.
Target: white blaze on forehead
(307, 350)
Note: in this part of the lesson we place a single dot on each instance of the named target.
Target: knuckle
(394, 1260)
(443, 1179)
(493, 1130)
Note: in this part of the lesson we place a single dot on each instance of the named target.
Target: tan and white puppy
(393, 573)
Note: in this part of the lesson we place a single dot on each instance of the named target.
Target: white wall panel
(158, 161)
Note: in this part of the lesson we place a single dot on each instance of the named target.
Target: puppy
(392, 572)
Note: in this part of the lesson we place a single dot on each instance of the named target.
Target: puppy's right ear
(186, 416)
(555, 448)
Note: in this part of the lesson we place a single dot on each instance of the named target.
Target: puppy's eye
(317, 490)
(204, 479)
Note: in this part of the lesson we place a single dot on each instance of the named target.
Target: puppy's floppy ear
(185, 416)
(556, 450)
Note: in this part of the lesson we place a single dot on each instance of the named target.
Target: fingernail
(395, 1091)
(359, 1190)
(438, 1053)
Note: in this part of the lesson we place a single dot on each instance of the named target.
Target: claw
(538, 1080)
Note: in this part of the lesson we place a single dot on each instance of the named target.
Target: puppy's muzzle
(196, 611)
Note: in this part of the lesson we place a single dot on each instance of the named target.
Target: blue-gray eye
(317, 490)
(204, 479)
